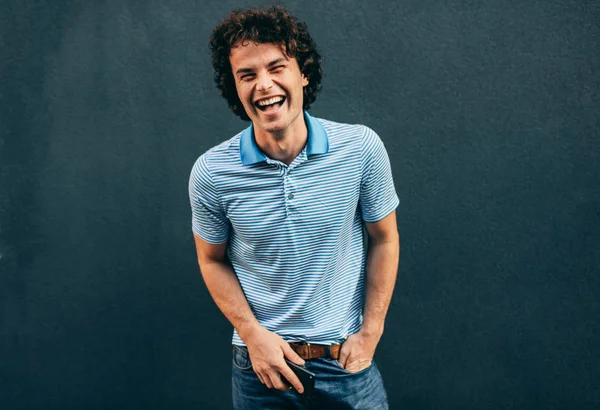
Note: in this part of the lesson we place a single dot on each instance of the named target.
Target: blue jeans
(335, 388)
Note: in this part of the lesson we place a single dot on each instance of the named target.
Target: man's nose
(264, 82)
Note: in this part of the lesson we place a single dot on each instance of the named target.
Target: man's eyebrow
(243, 70)
(249, 70)
(279, 60)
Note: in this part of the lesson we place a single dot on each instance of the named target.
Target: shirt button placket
(286, 194)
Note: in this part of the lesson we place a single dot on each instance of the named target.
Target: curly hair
(270, 25)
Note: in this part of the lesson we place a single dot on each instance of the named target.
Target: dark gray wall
(489, 111)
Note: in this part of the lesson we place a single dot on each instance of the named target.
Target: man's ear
(304, 81)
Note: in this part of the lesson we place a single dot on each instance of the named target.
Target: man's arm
(382, 266)
(267, 350)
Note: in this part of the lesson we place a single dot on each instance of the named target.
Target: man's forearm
(226, 291)
(382, 267)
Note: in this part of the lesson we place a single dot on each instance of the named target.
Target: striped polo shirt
(294, 232)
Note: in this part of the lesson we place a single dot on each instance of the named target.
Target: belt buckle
(307, 344)
(304, 343)
(309, 351)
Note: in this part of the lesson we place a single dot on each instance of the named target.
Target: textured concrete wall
(489, 111)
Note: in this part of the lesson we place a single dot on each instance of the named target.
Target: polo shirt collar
(318, 142)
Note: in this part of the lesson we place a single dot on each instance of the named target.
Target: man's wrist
(372, 331)
(246, 330)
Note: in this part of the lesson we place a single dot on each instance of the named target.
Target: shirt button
(291, 196)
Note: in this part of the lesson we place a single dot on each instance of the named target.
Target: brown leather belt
(309, 351)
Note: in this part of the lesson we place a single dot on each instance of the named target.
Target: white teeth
(270, 101)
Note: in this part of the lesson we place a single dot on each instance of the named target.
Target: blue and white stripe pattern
(295, 232)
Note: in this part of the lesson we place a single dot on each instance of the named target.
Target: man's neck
(285, 145)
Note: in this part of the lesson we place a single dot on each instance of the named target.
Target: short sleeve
(378, 196)
(208, 216)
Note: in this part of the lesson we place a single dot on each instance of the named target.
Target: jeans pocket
(241, 358)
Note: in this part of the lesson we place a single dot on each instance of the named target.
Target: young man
(278, 215)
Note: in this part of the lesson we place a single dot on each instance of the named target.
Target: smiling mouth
(270, 104)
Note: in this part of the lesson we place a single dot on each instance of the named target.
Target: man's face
(269, 85)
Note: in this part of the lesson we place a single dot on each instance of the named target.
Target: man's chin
(270, 126)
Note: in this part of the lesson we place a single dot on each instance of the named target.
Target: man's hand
(357, 351)
(268, 352)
